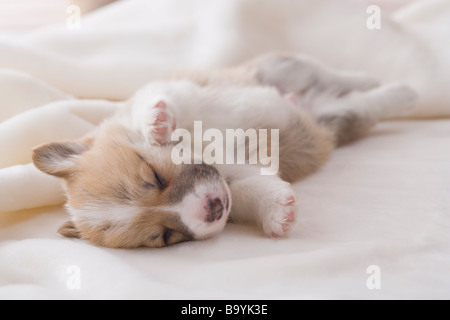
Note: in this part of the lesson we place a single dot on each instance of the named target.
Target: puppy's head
(124, 193)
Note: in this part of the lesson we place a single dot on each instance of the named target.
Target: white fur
(96, 214)
(258, 198)
(192, 211)
(220, 107)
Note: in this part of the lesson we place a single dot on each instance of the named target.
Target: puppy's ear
(69, 230)
(59, 158)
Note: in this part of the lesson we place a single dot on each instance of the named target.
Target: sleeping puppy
(127, 188)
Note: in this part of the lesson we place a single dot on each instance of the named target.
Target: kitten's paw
(159, 124)
(280, 214)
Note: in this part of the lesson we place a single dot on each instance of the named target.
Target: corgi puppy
(124, 189)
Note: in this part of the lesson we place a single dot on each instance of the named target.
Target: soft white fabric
(381, 201)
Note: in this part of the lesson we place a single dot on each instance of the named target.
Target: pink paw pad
(161, 123)
(292, 97)
(290, 217)
(283, 218)
(290, 201)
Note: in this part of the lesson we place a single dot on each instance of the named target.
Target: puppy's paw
(347, 82)
(362, 82)
(401, 94)
(400, 100)
(159, 124)
(280, 212)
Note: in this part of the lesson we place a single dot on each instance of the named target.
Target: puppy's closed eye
(148, 185)
(156, 179)
(161, 182)
(166, 236)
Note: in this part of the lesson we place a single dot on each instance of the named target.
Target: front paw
(159, 123)
(279, 213)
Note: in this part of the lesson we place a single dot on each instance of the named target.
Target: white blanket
(383, 201)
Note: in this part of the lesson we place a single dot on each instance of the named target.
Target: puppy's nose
(215, 208)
